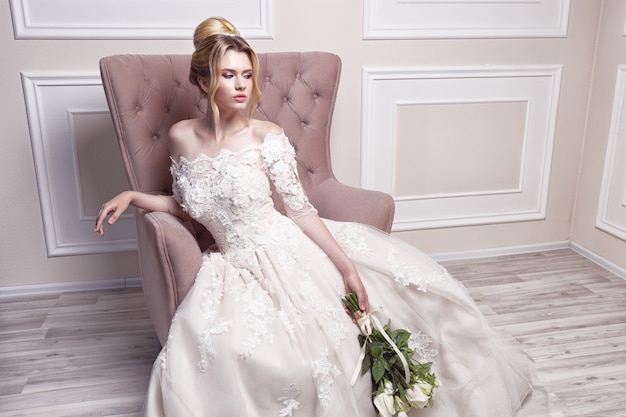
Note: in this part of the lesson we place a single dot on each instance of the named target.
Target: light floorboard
(90, 353)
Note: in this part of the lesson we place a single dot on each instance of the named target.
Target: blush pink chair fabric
(148, 93)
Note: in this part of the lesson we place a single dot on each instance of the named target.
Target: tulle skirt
(265, 334)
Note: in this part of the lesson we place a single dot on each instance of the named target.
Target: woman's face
(235, 82)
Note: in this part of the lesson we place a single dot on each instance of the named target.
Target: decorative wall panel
(77, 162)
(482, 135)
(612, 205)
(416, 19)
(136, 19)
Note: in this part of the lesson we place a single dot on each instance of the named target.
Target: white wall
(483, 140)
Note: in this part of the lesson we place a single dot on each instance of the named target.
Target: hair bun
(213, 26)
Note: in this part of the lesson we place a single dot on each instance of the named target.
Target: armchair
(146, 94)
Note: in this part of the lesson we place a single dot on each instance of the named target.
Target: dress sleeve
(279, 157)
(176, 187)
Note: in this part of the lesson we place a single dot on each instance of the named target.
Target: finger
(104, 212)
(114, 216)
(363, 301)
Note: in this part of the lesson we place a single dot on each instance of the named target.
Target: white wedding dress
(263, 333)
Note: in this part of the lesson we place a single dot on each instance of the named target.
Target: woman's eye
(247, 76)
(227, 75)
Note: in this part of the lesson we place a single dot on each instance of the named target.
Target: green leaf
(401, 337)
(378, 370)
(365, 365)
(377, 349)
(351, 301)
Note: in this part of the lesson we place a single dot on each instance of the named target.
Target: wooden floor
(90, 353)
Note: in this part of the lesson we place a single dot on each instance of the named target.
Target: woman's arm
(279, 157)
(150, 202)
(316, 230)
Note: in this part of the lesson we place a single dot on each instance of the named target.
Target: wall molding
(38, 289)
(139, 19)
(35, 289)
(51, 103)
(599, 260)
(611, 215)
(504, 251)
(421, 19)
(384, 89)
(541, 247)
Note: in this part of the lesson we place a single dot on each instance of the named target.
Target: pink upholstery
(148, 93)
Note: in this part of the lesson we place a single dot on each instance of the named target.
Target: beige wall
(580, 136)
(610, 53)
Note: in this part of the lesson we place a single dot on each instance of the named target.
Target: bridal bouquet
(399, 382)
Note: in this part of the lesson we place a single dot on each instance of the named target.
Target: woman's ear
(203, 84)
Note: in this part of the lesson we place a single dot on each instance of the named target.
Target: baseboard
(517, 250)
(493, 252)
(35, 289)
(22, 290)
(604, 263)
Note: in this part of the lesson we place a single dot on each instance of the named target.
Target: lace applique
(259, 314)
(162, 357)
(284, 318)
(280, 159)
(350, 237)
(420, 343)
(205, 345)
(230, 195)
(407, 274)
(211, 297)
(189, 186)
(327, 312)
(289, 400)
(325, 371)
(212, 294)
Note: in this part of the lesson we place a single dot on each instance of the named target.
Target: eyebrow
(233, 70)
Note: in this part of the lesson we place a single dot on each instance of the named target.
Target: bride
(263, 331)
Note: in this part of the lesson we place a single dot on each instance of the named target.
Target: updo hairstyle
(212, 39)
(211, 26)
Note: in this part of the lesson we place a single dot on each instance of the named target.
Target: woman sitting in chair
(263, 331)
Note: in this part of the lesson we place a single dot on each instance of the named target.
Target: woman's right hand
(115, 207)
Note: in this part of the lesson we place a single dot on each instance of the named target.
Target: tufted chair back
(149, 93)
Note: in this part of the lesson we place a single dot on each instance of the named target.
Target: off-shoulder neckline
(225, 151)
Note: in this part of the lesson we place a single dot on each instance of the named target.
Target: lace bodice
(230, 193)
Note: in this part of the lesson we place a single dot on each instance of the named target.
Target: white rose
(384, 401)
(425, 387)
(417, 398)
(402, 406)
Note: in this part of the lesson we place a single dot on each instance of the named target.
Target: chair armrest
(336, 201)
(170, 258)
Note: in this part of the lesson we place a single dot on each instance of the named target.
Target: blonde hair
(212, 26)
(212, 39)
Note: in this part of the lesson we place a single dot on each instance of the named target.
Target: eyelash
(228, 76)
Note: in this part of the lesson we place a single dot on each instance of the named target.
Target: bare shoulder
(180, 130)
(262, 128)
(181, 137)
